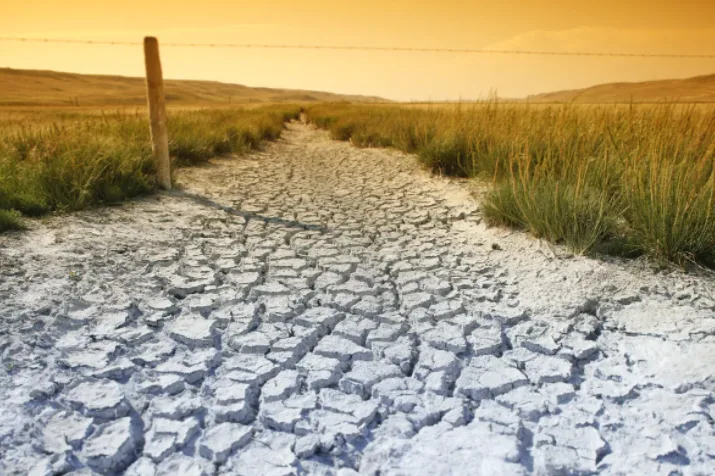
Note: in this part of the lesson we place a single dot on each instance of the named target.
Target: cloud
(614, 40)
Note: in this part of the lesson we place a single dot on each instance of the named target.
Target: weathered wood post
(157, 112)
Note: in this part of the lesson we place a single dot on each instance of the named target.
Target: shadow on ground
(207, 202)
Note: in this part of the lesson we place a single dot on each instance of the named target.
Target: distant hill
(51, 88)
(697, 89)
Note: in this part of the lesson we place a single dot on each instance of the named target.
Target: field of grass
(625, 180)
(60, 161)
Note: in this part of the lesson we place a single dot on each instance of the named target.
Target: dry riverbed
(320, 309)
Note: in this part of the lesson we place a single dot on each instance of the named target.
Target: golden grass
(58, 161)
(618, 179)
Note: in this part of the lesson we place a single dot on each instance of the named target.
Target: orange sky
(667, 26)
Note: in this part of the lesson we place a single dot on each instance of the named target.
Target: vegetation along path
(319, 309)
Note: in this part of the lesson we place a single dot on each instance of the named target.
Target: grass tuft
(60, 162)
(618, 179)
(10, 220)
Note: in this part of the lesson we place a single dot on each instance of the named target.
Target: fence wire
(367, 48)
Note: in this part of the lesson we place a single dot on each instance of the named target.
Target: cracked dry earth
(319, 309)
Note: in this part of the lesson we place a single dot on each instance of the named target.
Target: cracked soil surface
(319, 309)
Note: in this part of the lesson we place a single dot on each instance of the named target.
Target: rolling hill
(51, 88)
(697, 89)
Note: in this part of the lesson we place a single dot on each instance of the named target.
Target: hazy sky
(667, 26)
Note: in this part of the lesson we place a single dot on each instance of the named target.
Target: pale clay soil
(320, 309)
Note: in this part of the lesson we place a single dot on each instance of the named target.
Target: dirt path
(319, 309)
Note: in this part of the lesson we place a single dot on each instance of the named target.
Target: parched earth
(319, 309)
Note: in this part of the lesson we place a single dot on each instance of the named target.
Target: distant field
(700, 89)
(52, 88)
(625, 180)
(55, 160)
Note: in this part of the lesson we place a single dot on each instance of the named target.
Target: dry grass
(618, 179)
(67, 161)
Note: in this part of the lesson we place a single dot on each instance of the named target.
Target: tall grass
(60, 162)
(622, 179)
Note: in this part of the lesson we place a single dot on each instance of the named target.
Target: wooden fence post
(157, 112)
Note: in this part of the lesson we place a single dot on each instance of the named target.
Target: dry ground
(320, 309)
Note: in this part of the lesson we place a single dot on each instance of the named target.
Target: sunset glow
(556, 25)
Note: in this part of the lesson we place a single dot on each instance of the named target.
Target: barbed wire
(367, 48)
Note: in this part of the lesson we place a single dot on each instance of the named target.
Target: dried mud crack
(320, 309)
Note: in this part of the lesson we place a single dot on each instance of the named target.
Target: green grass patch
(623, 180)
(61, 162)
(10, 220)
